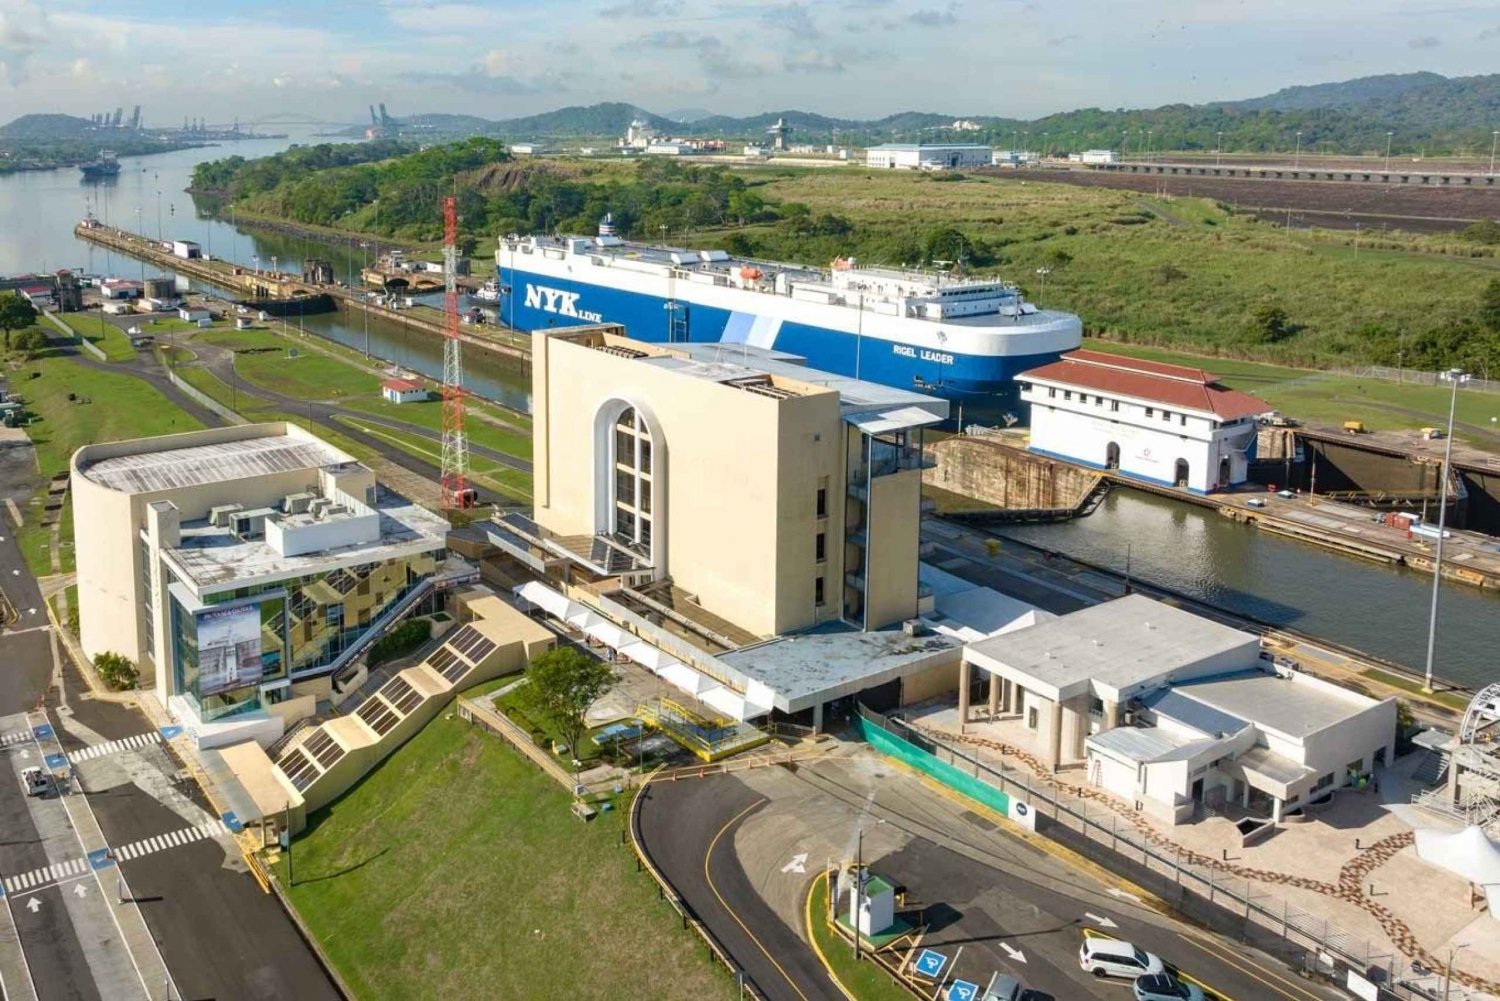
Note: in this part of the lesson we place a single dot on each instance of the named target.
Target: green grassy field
(1129, 271)
(502, 479)
(1324, 396)
(101, 333)
(455, 870)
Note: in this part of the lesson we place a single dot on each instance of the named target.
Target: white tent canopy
(1468, 853)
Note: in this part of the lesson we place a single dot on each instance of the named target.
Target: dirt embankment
(1333, 204)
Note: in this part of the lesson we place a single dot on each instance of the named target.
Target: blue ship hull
(983, 386)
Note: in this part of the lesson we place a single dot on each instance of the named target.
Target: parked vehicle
(1355, 427)
(1003, 988)
(1110, 957)
(36, 781)
(1165, 987)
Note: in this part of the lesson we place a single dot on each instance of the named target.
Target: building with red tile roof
(1168, 424)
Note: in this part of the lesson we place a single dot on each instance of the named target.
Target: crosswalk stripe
(56, 872)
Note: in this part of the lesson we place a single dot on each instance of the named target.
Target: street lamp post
(1042, 273)
(1448, 971)
(1219, 150)
(1494, 141)
(1297, 157)
(1456, 378)
(1388, 137)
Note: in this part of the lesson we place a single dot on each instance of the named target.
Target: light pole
(1494, 141)
(1219, 150)
(1448, 972)
(1457, 378)
(1388, 137)
(1297, 157)
(1042, 273)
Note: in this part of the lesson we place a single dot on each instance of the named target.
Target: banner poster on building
(228, 649)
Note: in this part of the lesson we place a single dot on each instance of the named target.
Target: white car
(36, 782)
(1110, 957)
(1165, 987)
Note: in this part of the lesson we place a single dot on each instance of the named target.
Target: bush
(1485, 231)
(1269, 323)
(117, 671)
(30, 340)
(400, 641)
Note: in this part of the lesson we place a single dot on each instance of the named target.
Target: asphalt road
(735, 851)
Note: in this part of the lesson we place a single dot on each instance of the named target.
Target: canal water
(1374, 608)
(1371, 607)
(38, 210)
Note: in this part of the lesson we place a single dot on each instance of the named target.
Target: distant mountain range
(1426, 111)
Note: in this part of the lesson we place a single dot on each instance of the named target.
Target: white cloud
(422, 16)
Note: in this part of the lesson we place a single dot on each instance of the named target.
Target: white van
(36, 782)
(1110, 957)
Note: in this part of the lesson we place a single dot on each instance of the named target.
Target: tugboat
(105, 166)
(487, 294)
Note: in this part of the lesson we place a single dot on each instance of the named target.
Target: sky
(329, 59)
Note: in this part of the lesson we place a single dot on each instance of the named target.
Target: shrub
(1485, 231)
(1268, 322)
(30, 340)
(117, 671)
(400, 641)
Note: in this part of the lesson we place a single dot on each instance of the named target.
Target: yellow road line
(813, 938)
(1285, 988)
(707, 856)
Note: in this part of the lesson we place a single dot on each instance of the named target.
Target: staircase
(1433, 768)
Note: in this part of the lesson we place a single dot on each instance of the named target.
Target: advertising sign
(228, 649)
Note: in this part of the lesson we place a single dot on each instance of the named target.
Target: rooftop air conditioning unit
(218, 517)
(297, 503)
(914, 627)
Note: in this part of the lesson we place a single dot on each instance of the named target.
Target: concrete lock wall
(1005, 477)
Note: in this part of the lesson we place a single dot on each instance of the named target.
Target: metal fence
(1228, 904)
(1418, 377)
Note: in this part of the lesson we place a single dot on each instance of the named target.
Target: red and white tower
(455, 484)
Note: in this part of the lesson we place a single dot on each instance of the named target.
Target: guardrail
(747, 987)
(475, 711)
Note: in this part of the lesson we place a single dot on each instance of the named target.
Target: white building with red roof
(1166, 424)
(403, 391)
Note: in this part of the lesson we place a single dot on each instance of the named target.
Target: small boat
(297, 305)
(105, 166)
(489, 292)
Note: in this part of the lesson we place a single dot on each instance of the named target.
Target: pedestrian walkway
(15, 737)
(62, 871)
(135, 743)
(172, 839)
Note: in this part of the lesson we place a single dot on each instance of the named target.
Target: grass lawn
(34, 539)
(99, 332)
(863, 978)
(430, 415)
(266, 361)
(502, 479)
(1408, 685)
(455, 870)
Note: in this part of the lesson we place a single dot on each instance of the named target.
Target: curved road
(729, 847)
(689, 837)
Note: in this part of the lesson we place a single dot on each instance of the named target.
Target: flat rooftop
(195, 465)
(835, 661)
(213, 558)
(1131, 641)
(1275, 702)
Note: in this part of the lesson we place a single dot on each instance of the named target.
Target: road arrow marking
(797, 864)
(79, 891)
(1123, 895)
(1101, 922)
(33, 905)
(1016, 955)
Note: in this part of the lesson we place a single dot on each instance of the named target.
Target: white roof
(1469, 853)
(1132, 642)
(176, 468)
(1277, 702)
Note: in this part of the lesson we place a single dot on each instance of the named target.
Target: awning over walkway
(674, 672)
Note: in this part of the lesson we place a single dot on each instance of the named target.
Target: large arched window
(632, 517)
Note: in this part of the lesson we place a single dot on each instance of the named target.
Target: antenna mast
(455, 482)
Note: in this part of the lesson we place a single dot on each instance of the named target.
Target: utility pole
(455, 462)
(859, 886)
(1457, 378)
(1219, 150)
(1388, 136)
(1494, 141)
(1297, 158)
(286, 831)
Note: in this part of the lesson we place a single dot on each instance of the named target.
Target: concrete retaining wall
(204, 399)
(1007, 478)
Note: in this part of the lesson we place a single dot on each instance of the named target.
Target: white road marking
(1101, 922)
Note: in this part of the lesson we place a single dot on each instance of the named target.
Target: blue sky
(858, 58)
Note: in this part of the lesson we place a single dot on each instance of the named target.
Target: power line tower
(455, 485)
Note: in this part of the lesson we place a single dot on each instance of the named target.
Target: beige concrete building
(780, 496)
(739, 524)
(241, 567)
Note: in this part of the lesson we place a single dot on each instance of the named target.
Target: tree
(16, 311)
(1489, 307)
(562, 684)
(31, 341)
(116, 670)
(1268, 322)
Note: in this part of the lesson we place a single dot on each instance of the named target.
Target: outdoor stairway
(1433, 768)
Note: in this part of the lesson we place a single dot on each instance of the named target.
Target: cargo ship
(960, 338)
(105, 166)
